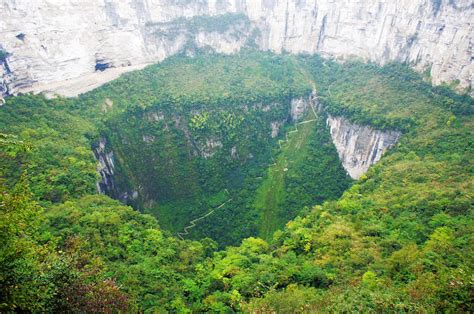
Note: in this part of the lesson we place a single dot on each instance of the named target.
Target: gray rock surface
(299, 107)
(105, 167)
(71, 46)
(359, 146)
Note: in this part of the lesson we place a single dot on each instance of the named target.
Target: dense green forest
(187, 135)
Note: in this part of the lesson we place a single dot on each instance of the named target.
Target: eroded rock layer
(74, 46)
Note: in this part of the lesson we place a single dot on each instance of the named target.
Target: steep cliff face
(4, 80)
(5, 74)
(299, 107)
(106, 169)
(60, 47)
(63, 47)
(358, 146)
(432, 34)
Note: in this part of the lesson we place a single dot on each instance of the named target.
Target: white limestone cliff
(429, 34)
(359, 146)
(63, 46)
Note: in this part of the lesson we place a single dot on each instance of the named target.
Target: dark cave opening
(102, 66)
(21, 36)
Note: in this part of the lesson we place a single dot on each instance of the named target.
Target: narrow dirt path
(192, 223)
(279, 166)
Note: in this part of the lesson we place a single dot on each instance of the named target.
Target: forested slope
(206, 126)
(399, 239)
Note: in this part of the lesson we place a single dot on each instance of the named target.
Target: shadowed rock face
(358, 146)
(105, 167)
(55, 54)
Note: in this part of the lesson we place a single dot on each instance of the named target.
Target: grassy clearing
(270, 197)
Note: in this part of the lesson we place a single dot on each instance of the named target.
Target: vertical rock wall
(63, 46)
(358, 146)
(105, 168)
(434, 35)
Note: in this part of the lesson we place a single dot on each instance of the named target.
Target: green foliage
(389, 97)
(210, 80)
(60, 164)
(150, 118)
(369, 279)
(292, 299)
(306, 173)
(17, 254)
(148, 263)
(398, 240)
(401, 238)
(188, 129)
(39, 277)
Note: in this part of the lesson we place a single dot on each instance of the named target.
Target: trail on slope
(271, 195)
(192, 223)
(276, 170)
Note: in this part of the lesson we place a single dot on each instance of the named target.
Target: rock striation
(76, 45)
(105, 167)
(359, 146)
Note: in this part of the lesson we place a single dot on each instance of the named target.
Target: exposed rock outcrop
(275, 125)
(429, 34)
(5, 75)
(73, 46)
(359, 146)
(105, 167)
(210, 148)
(299, 106)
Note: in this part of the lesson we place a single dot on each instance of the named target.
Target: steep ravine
(81, 44)
(170, 185)
(157, 125)
(358, 147)
(106, 170)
